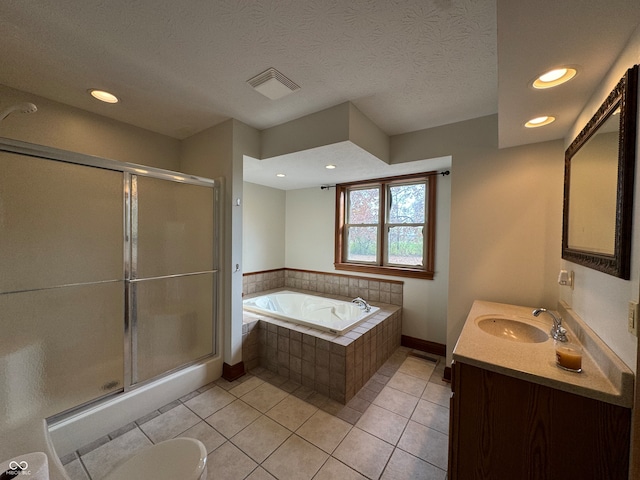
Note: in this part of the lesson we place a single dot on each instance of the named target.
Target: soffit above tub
(337, 124)
(306, 169)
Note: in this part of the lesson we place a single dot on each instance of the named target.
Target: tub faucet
(362, 304)
(558, 332)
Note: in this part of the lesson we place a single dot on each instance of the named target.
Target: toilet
(183, 458)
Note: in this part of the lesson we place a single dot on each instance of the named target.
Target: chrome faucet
(558, 332)
(362, 304)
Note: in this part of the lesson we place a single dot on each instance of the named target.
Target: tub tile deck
(248, 443)
(335, 365)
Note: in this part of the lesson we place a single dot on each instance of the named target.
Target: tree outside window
(387, 226)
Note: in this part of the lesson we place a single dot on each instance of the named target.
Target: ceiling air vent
(272, 84)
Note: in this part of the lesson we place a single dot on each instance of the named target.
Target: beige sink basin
(512, 329)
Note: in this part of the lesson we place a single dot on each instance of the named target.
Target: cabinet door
(509, 428)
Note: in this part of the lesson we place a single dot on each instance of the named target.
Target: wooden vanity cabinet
(503, 428)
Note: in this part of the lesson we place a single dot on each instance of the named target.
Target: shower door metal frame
(132, 280)
(130, 172)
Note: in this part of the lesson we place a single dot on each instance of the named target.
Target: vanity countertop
(604, 376)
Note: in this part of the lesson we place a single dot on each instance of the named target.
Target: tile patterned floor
(265, 427)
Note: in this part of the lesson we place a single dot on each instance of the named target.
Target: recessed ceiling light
(104, 96)
(540, 121)
(330, 167)
(554, 77)
(280, 175)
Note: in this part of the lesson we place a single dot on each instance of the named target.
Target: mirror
(598, 184)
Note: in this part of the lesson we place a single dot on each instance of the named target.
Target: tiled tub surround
(371, 289)
(259, 282)
(335, 366)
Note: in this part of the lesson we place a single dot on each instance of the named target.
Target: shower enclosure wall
(108, 277)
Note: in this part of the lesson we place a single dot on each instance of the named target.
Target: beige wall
(506, 224)
(367, 135)
(263, 233)
(315, 130)
(213, 153)
(310, 227)
(300, 224)
(68, 128)
(506, 216)
(600, 299)
(333, 125)
(503, 239)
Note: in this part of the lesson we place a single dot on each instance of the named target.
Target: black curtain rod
(444, 173)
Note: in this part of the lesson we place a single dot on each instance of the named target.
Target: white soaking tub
(335, 316)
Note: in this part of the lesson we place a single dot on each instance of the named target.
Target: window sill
(393, 271)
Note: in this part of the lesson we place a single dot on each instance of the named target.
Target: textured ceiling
(181, 66)
(536, 36)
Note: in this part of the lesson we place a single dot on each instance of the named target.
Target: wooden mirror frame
(624, 95)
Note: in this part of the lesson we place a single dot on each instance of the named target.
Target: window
(387, 226)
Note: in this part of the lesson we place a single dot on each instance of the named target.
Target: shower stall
(108, 278)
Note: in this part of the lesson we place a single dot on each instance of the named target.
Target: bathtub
(335, 316)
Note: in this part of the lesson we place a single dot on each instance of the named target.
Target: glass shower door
(61, 286)
(107, 278)
(172, 279)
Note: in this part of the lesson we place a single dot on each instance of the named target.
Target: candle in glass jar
(569, 356)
